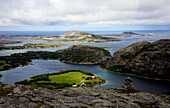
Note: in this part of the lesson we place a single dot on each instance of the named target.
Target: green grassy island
(63, 79)
(31, 45)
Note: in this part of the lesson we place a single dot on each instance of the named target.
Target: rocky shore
(19, 96)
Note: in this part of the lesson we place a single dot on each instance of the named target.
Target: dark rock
(128, 84)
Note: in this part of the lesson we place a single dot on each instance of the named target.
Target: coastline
(156, 79)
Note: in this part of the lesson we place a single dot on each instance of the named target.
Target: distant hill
(80, 36)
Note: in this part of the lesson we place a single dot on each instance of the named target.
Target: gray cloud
(80, 12)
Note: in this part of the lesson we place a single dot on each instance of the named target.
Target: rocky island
(73, 36)
(127, 34)
(149, 60)
(31, 45)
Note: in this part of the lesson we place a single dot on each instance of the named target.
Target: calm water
(113, 79)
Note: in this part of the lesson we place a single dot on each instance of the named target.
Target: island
(127, 34)
(72, 36)
(31, 45)
(2, 42)
(63, 79)
(144, 59)
(76, 54)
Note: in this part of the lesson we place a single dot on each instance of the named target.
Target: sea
(114, 80)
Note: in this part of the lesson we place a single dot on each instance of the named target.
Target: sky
(58, 15)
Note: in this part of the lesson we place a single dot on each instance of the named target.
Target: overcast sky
(56, 15)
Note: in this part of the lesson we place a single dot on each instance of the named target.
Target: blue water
(49, 66)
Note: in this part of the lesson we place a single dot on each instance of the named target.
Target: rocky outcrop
(25, 96)
(143, 59)
(83, 54)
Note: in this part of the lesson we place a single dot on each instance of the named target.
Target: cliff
(83, 54)
(143, 59)
(19, 96)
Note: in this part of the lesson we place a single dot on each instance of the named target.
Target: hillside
(83, 54)
(144, 59)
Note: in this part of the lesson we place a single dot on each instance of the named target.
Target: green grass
(2, 61)
(2, 64)
(71, 77)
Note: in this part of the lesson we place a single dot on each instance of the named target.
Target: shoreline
(156, 79)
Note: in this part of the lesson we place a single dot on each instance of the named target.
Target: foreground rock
(83, 54)
(22, 96)
(144, 59)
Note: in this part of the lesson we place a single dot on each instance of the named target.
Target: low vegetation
(63, 79)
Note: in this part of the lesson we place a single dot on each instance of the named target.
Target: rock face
(77, 34)
(83, 54)
(143, 59)
(23, 96)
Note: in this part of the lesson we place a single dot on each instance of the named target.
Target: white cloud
(77, 12)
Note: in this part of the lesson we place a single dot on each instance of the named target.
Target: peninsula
(77, 54)
(63, 79)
